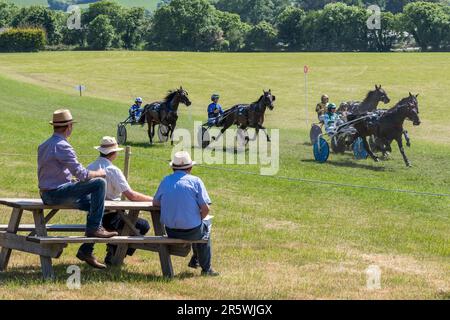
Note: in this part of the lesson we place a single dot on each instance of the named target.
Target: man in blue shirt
(136, 109)
(184, 205)
(215, 111)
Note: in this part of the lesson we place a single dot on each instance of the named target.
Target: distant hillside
(148, 4)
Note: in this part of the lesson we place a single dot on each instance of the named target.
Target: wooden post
(126, 168)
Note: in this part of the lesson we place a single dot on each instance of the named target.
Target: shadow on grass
(26, 275)
(348, 164)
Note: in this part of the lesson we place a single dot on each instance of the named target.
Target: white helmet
(138, 99)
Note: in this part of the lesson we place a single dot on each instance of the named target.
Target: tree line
(241, 25)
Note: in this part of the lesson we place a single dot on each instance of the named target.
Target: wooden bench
(47, 247)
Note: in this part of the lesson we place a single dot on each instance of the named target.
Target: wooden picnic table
(39, 243)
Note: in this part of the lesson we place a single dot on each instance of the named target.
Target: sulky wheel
(121, 134)
(315, 132)
(359, 151)
(321, 150)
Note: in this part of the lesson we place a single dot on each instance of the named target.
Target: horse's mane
(369, 94)
(170, 95)
(259, 100)
(402, 103)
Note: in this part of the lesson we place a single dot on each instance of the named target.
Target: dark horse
(248, 115)
(164, 112)
(369, 104)
(389, 126)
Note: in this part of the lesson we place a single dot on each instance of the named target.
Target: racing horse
(164, 112)
(389, 126)
(369, 104)
(248, 115)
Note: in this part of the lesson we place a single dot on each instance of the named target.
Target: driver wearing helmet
(215, 111)
(321, 107)
(136, 110)
(331, 119)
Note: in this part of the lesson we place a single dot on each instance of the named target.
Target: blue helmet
(215, 96)
(138, 100)
(331, 106)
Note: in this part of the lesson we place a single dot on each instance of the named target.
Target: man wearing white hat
(116, 186)
(64, 181)
(184, 205)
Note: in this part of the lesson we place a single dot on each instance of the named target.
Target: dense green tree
(111, 9)
(290, 27)
(100, 33)
(262, 37)
(185, 25)
(429, 23)
(7, 12)
(320, 4)
(234, 30)
(383, 39)
(253, 11)
(133, 27)
(340, 28)
(40, 16)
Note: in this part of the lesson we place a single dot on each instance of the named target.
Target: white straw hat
(182, 160)
(61, 118)
(108, 145)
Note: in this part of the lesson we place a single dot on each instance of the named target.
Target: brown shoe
(91, 260)
(101, 233)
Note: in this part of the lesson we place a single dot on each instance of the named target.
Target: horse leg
(220, 134)
(369, 151)
(153, 131)
(265, 131)
(408, 140)
(402, 150)
(171, 130)
(150, 127)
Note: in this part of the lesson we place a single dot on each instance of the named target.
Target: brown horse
(248, 115)
(389, 126)
(369, 104)
(164, 112)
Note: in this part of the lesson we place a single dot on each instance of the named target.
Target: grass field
(273, 238)
(148, 4)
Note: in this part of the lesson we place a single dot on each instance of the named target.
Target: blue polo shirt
(212, 107)
(181, 196)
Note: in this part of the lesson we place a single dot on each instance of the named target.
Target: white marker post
(80, 88)
(305, 71)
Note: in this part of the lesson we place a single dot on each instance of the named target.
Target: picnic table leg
(13, 226)
(41, 231)
(128, 229)
(164, 255)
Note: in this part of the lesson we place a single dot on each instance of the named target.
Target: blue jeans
(86, 196)
(201, 251)
(113, 222)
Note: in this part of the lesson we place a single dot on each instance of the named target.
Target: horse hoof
(409, 165)
(376, 159)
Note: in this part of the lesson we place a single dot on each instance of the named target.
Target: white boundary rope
(303, 180)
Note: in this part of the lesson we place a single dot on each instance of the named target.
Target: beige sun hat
(182, 160)
(62, 118)
(108, 145)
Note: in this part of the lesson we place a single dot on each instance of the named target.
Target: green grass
(273, 238)
(148, 4)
